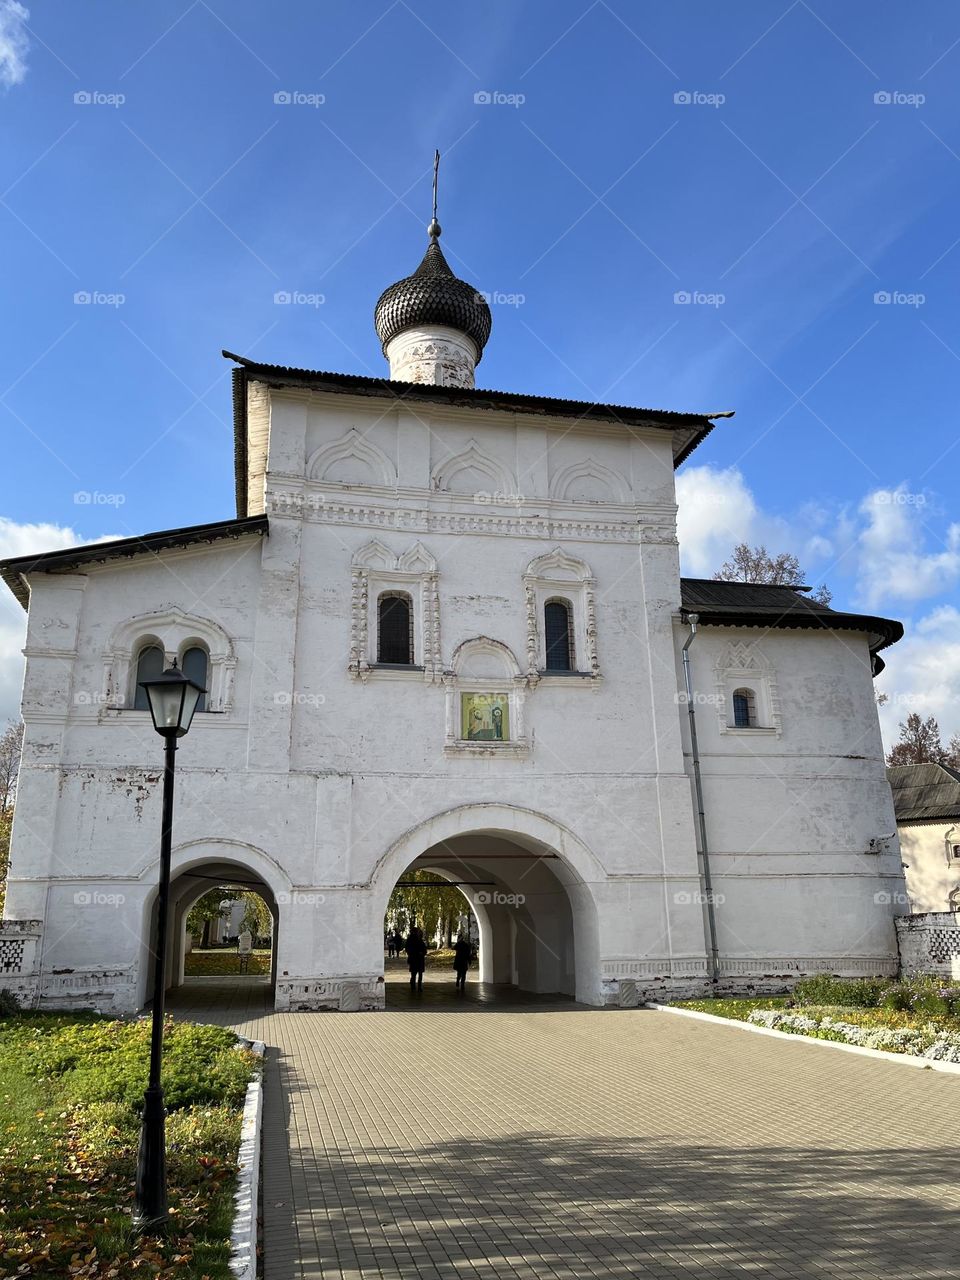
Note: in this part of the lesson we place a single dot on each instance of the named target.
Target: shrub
(9, 1004)
(856, 993)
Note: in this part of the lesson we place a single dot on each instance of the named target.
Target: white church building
(447, 630)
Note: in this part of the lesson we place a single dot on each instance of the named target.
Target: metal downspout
(693, 618)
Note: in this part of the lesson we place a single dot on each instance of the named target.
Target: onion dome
(433, 295)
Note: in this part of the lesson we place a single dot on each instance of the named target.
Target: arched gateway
(529, 881)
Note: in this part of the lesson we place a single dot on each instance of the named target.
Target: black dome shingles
(433, 295)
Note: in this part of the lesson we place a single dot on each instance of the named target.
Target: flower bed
(70, 1092)
(929, 1041)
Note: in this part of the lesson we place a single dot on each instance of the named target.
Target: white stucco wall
(324, 779)
(932, 872)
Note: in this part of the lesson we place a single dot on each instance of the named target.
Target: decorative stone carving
(437, 355)
(559, 574)
(449, 475)
(572, 484)
(374, 569)
(370, 465)
(174, 632)
(744, 664)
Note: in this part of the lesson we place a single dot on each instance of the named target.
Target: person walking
(416, 958)
(462, 954)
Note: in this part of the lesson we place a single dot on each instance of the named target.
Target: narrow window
(744, 709)
(149, 666)
(558, 634)
(194, 667)
(395, 629)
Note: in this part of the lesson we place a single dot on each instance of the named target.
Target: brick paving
(509, 1139)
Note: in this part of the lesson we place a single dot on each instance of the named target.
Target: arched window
(558, 635)
(149, 666)
(744, 709)
(194, 667)
(395, 629)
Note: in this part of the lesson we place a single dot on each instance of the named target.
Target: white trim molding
(743, 665)
(559, 574)
(174, 631)
(483, 665)
(376, 569)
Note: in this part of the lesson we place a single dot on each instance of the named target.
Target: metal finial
(434, 227)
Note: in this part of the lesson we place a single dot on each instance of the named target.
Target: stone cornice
(643, 527)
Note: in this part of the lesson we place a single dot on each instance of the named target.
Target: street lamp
(173, 698)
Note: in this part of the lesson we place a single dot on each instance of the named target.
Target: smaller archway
(197, 869)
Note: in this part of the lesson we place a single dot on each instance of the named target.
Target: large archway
(529, 882)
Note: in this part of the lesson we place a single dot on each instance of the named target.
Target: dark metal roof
(14, 570)
(924, 792)
(755, 604)
(689, 428)
(433, 295)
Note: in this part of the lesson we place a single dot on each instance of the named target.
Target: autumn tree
(755, 564)
(206, 911)
(11, 744)
(433, 907)
(919, 742)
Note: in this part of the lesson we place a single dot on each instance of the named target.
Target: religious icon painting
(484, 717)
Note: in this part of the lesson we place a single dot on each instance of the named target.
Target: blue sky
(779, 164)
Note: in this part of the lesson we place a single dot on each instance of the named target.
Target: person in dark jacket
(416, 958)
(462, 953)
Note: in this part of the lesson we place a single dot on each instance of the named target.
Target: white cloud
(893, 561)
(717, 509)
(923, 674)
(20, 540)
(14, 43)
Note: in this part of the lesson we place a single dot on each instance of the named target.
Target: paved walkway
(545, 1141)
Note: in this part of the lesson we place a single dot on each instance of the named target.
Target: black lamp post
(173, 699)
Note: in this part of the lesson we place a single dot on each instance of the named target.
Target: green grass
(224, 962)
(70, 1088)
(739, 1009)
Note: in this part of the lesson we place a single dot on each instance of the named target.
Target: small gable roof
(924, 792)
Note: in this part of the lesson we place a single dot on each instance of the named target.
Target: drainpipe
(693, 619)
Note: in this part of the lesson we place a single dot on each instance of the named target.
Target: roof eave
(15, 570)
(699, 425)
